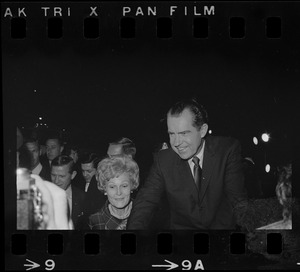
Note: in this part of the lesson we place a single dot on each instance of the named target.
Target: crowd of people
(197, 181)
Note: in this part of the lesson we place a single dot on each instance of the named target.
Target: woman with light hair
(117, 177)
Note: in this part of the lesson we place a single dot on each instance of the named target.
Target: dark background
(95, 91)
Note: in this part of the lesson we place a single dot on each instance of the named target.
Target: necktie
(197, 171)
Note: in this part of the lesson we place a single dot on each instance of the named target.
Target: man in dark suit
(95, 199)
(62, 173)
(201, 176)
(54, 148)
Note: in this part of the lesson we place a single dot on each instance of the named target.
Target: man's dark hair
(199, 112)
(127, 145)
(69, 147)
(64, 160)
(90, 158)
(55, 136)
(32, 140)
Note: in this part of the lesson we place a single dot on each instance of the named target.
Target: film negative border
(164, 28)
(155, 250)
(187, 250)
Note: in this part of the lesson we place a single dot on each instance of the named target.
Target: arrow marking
(169, 266)
(32, 265)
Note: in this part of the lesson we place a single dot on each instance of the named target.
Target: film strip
(121, 65)
(127, 26)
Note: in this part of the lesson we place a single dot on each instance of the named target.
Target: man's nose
(177, 140)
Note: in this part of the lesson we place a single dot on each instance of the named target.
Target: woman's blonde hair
(113, 167)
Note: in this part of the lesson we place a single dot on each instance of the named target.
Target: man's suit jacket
(78, 198)
(46, 170)
(95, 199)
(45, 174)
(222, 187)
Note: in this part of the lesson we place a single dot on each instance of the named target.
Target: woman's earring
(105, 193)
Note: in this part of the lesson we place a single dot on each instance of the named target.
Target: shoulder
(98, 216)
(221, 142)
(166, 156)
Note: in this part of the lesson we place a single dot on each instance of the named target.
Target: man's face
(54, 149)
(74, 155)
(185, 139)
(88, 171)
(114, 149)
(61, 176)
(35, 152)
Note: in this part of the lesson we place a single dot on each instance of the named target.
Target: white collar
(200, 155)
(37, 170)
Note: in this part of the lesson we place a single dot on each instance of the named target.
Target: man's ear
(204, 130)
(73, 175)
(61, 149)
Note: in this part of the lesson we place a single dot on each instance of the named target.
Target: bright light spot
(268, 168)
(40, 118)
(45, 124)
(41, 124)
(64, 129)
(19, 171)
(265, 137)
(34, 91)
(255, 140)
(210, 131)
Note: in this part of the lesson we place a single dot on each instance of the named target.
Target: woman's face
(118, 191)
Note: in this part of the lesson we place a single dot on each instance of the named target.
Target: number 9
(50, 264)
(186, 264)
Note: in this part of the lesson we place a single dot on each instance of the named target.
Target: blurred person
(201, 175)
(54, 200)
(54, 148)
(117, 177)
(73, 152)
(122, 146)
(24, 157)
(160, 146)
(62, 174)
(36, 167)
(284, 196)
